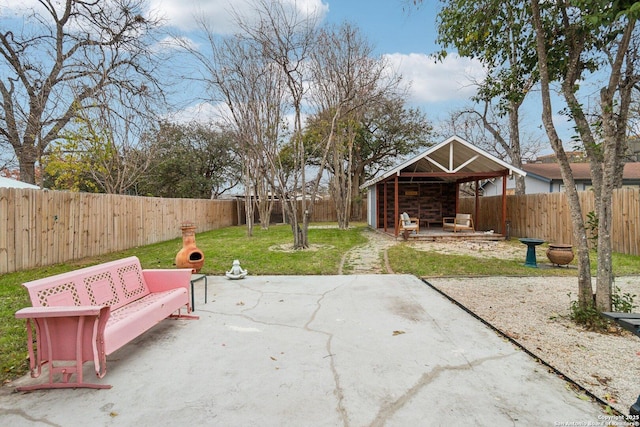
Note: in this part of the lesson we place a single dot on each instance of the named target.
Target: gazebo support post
(503, 230)
(396, 206)
(457, 196)
(384, 214)
(476, 205)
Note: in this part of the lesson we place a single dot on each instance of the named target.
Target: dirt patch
(288, 247)
(480, 249)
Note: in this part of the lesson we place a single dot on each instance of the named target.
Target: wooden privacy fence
(39, 228)
(323, 211)
(547, 216)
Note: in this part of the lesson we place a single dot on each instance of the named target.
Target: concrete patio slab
(362, 350)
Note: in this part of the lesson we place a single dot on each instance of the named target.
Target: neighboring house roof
(573, 156)
(581, 171)
(452, 159)
(14, 183)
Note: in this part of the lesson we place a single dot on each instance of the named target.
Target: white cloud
(185, 14)
(219, 14)
(12, 8)
(204, 112)
(431, 81)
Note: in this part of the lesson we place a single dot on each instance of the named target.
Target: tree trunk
(585, 292)
(248, 201)
(614, 125)
(341, 188)
(605, 267)
(265, 202)
(27, 169)
(27, 158)
(514, 145)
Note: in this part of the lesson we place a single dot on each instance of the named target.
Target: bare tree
(253, 91)
(347, 80)
(60, 59)
(285, 37)
(486, 129)
(252, 87)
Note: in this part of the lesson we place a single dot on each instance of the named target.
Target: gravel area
(534, 311)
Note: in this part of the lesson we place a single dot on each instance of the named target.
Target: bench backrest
(113, 284)
(463, 219)
(405, 218)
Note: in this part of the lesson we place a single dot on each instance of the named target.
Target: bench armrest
(159, 280)
(62, 311)
(62, 331)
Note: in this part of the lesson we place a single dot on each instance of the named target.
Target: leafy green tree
(386, 130)
(572, 42)
(500, 35)
(191, 161)
(389, 130)
(67, 165)
(577, 41)
(99, 153)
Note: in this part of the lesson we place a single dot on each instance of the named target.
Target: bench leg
(183, 316)
(193, 301)
(44, 330)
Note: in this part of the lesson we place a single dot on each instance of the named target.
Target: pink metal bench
(87, 314)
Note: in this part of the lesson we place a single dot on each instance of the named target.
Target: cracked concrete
(350, 350)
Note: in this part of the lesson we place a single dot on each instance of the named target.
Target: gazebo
(428, 186)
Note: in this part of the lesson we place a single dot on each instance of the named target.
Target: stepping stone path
(369, 258)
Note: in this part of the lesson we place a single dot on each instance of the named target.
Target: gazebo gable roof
(451, 160)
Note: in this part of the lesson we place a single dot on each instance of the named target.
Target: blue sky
(393, 26)
(399, 31)
(407, 35)
(403, 34)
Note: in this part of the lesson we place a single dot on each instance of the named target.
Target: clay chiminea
(189, 256)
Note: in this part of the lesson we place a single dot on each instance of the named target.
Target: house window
(562, 187)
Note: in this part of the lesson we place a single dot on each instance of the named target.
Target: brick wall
(427, 201)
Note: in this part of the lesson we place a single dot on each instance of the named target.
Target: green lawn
(405, 259)
(258, 256)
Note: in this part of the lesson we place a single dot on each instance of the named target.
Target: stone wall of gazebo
(428, 201)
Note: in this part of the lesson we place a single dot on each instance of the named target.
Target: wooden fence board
(547, 216)
(39, 228)
(4, 224)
